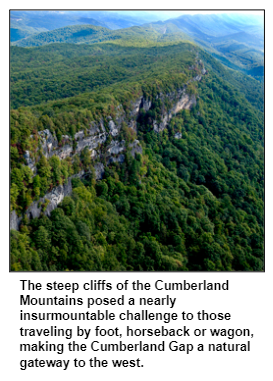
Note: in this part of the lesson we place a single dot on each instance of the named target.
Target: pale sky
(179, 13)
(164, 15)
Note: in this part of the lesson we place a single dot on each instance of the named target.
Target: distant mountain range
(90, 34)
(236, 40)
(26, 23)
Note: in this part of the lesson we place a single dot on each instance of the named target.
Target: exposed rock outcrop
(184, 102)
(140, 103)
(136, 106)
(99, 170)
(116, 147)
(45, 204)
(29, 161)
(135, 148)
(14, 221)
(146, 104)
(64, 151)
(91, 141)
(119, 159)
(48, 142)
(113, 129)
(50, 201)
(93, 138)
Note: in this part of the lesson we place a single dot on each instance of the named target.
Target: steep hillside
(160, 170)
(252, 89)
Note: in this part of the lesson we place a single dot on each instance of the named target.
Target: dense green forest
(90, 34)
(237, 40)
(189, 202)
(58, 71)
(63, 70)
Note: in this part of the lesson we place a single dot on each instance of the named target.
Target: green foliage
(193, 203)
(90, 34)
(247, 86)
(63, 70)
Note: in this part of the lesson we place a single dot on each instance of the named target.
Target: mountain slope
(222, 25)
(158, 168)
(19, 29)
(242, 37)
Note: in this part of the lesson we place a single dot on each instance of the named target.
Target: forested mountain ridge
(58, 71)
(236, 40)
(182, 155)
(68, 34)
(90, 34)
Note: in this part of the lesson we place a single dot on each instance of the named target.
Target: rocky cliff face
(96, 136)
(182, 101)
(49, 202)
(14, 222)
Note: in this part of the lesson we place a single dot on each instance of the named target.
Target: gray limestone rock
(93, 153)
(185, 102)
(54, 198)
(99, 170)
(136, 106)
(120, 115)
(162, 125)
(64, 151)
(119, 159)
(135, 148)
(146, 104)
(91, 142)
(113, 129)
(116, 147)
(14, 221)
(94, 129)
(49, 143)
(79, 135)
(30, 162)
